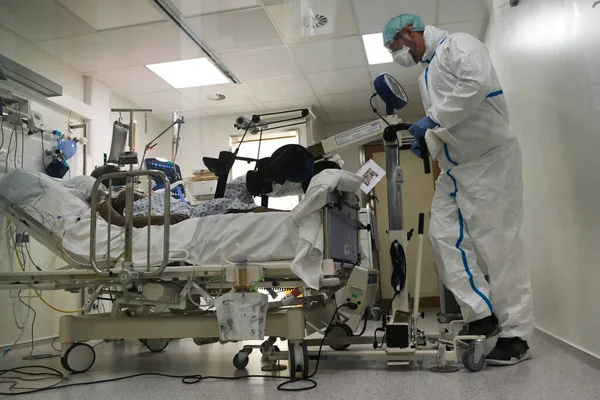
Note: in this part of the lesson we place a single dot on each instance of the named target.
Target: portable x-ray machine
(398, 340)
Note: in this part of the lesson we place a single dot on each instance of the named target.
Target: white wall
(543, 51)
(29, 55)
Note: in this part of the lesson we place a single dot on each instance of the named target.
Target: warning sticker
(358, 133)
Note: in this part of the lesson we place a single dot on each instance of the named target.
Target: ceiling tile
(235, 95)
(474, 28)
(109, 14)
(302, 20)
(462, 10)
(91, 52)
(406, 76)
(37, 20)
(284, 88)
(340, 81)
(348, 102)
(187, 115)
(292, 103)
(246, 111)
(330, 54)
(236, 30)
(130, 81)
(260, 64)
(163, 102)
(158, 42)
(372, 15)
(190, 8)
(352, 116)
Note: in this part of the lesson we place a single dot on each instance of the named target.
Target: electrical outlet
(22, 238)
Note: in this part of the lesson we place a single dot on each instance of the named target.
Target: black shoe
(487, 327)
(508, 351)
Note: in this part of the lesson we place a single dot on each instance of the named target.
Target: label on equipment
(357, 133)
(399, 176)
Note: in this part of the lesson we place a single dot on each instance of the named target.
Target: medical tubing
(38, 293)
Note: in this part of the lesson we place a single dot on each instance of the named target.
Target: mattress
(259, 237)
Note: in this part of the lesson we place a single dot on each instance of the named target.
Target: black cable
(364, 328)
(31, 259)
(31, 356)
(375, 109)
(398, 256)
(185, 379)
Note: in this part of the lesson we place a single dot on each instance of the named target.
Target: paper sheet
(371, 174)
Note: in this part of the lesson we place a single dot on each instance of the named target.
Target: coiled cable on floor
(25, 374)
(398, 257)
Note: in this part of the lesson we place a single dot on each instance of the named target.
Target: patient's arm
(138, 222)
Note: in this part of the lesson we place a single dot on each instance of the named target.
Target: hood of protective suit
(433, 36)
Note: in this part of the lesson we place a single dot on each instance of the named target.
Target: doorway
(417, 194)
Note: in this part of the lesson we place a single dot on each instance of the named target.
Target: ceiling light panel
(189, 73)
(376, 52)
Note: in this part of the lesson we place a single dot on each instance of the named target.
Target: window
(250, 149)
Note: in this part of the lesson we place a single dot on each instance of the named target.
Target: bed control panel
(341, 225)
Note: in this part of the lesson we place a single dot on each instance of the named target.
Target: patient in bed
(237, 199)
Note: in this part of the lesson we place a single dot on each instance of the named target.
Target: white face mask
(403, 57)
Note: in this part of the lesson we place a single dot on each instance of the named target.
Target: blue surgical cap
(397, 23)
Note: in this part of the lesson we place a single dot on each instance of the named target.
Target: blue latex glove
(419, 128)
(416, 149)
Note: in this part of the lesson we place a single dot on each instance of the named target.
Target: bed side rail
(130, 178)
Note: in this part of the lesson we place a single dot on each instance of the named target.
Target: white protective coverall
(478, 204)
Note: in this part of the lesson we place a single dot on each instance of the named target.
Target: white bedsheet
(259, 237)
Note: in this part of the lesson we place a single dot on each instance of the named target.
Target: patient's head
(108, 169)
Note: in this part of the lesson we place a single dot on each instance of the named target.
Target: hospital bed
(164, 280)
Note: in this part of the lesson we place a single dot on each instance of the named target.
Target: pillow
(83, 186)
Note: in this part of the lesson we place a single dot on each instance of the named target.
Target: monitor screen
(119, 142)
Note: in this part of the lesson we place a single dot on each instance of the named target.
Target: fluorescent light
(376, 51)
(189, 73)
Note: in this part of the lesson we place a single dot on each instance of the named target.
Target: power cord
(31, 356)
(375, 109)
(398, 256)
(52, 373)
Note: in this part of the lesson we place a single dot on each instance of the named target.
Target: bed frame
(135, 316)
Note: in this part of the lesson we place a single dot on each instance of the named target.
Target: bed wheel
(78, 358)
(142, 341)
(340, 331)
(473, 357)
(241, 359)
(156, 345)
(298, 361)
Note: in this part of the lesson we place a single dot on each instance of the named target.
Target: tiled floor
(555, 372)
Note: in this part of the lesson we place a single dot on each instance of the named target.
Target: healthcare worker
(477, 208)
